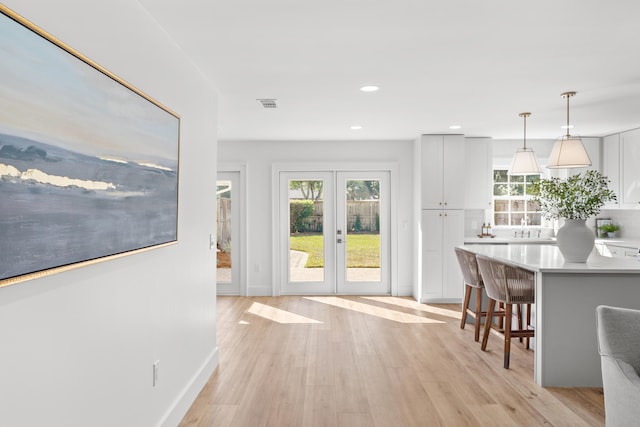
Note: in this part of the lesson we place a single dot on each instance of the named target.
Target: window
(512, 199)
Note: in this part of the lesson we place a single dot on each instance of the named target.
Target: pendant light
(568, 151)
(524, 161)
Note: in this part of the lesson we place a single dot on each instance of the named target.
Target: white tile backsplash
(627, 219)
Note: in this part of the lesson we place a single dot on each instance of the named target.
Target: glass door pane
(228, 233)
(307, 249)
(363, 230)
(223, 226)
(306, 231)
(363, 216)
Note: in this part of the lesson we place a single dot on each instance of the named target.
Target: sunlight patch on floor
(277, 315)
(402, 302)
(384, 313)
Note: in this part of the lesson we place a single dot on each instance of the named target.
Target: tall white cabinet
(478, 168)
(442, 196)
(630, 173)
(442, 157)
(611, 166)
(620, 160)
(442, 230)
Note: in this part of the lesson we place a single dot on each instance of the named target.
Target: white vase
(575, 240)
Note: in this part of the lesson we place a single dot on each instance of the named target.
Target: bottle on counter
(489, 230)
(484, 229)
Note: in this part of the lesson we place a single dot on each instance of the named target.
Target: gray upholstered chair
(619, 348)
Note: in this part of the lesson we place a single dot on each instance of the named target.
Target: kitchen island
(567, 294)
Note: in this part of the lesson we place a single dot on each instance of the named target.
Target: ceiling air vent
(268, 102)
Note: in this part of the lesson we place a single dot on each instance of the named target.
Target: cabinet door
(432, 167)
(442, 170)
(453, 235)
(478, 167)
(432, 256)
(453, 176)
(611, 166)
(442, 230)
(630, 159)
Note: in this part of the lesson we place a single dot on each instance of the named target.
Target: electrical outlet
(156, 368)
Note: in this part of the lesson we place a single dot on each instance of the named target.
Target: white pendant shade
(568, 152)
(524, 162)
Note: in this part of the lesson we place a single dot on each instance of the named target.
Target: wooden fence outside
(367, 210)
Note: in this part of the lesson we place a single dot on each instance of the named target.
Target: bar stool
(472, 279)
(509, 285)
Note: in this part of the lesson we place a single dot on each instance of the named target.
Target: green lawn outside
(363, 250)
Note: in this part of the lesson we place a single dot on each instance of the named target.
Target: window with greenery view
(512, 199)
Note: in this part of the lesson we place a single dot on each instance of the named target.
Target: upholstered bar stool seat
(472, 280)
(511, 286)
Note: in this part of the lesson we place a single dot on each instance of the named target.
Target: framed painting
(88, 163)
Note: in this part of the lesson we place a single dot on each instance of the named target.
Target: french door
(334, 232)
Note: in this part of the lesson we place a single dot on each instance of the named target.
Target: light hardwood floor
(363, 361)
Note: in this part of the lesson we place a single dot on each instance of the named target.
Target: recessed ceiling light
(356, 127)
(369, 88)
(455, 127)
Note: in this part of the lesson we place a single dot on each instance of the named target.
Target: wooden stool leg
(465, 305)
(519, 315)
(478, 313)
(500, 319)
(507, 334)
(528, 325)
(487, 323)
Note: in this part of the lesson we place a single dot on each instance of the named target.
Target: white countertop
(474, 240)
(624, 243)
(548, 259)
(631, 243)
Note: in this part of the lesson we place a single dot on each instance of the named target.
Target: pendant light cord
(524, 138)
(568, 95)
(524, 116)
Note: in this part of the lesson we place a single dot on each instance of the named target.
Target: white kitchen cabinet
(629, 196)
(611, 166)
(442, 230)
(477, 172)
(442, 158)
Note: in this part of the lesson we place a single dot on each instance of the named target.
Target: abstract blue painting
(88, 164)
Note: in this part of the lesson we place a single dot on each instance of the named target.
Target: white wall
(259, 157)
(77, 348)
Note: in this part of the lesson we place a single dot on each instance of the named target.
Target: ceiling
(473, 63)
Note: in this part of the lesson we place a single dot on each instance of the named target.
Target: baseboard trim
(183, 402)
(259, 291)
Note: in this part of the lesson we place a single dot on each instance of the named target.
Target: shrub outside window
(512, 199)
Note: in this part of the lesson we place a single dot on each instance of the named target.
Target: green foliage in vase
(577, 197)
